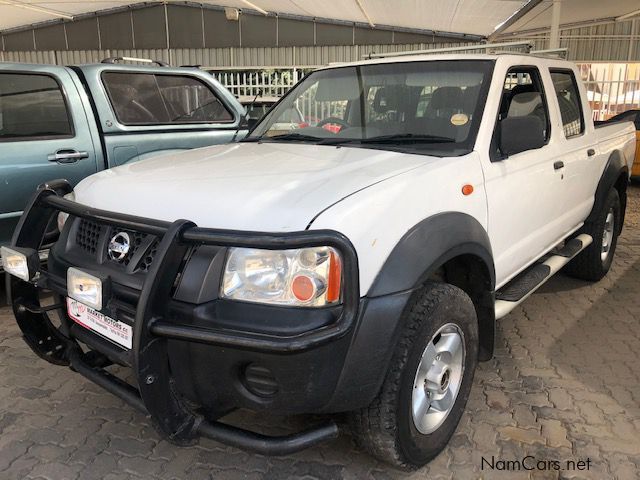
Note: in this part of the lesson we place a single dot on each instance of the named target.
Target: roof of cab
(430, 57)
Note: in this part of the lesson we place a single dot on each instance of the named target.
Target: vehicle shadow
(562, 282)
(599, 348)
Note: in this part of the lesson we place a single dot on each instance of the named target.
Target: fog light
(260, 380)
(84, 288)
(23, 263)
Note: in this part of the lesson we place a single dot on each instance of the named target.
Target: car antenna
(244, 117)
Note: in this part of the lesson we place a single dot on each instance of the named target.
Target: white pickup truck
(355, 262)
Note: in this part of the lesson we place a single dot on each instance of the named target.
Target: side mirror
(519, 134)
(251, 122)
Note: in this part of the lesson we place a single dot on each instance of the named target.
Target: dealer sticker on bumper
(116, 331)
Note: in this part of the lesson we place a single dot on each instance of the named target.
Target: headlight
(62, 216)
(300, 277)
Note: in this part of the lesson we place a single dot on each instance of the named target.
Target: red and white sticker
(116, 331)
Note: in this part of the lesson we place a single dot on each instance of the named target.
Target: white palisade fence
(268, 81)
(612, 88)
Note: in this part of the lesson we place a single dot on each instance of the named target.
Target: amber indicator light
(335, 277)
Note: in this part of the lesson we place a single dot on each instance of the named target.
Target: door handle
(591, 152)
(558, 165)
(67, 156)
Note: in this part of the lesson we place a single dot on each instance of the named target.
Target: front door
(523, 189)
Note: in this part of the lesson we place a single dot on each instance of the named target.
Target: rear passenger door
(44, 135)
(580, 156)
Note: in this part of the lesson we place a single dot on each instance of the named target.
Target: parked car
(630, 116)
(70, 122)
(358, 272)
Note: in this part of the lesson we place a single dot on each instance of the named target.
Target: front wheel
(428, 383)
(595, 261)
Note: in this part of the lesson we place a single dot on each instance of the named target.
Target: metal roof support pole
(554, 41)
(528, 7)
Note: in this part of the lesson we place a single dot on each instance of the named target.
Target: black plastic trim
(429, 245)
(221, 432)
(616, 166)
(570, 249)
(524, 283)
(145, 225)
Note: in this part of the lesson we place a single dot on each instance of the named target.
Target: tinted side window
(32, 106)
(523, 95)
(566, 89)
(150, 99)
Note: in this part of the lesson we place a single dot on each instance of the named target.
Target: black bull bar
(155, 394)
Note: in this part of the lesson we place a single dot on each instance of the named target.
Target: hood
(243, 186)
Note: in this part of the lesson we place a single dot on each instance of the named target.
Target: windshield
(432, 106)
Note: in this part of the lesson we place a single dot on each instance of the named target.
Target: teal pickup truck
(72, 121)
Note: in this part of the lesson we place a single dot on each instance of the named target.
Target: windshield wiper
(401, 138)
(407, 138)
(293, 136)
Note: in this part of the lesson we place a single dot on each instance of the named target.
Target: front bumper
(191, 361)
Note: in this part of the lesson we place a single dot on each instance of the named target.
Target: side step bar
(519, 289)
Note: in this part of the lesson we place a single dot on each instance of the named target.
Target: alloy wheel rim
(438, 378)
(607, 235)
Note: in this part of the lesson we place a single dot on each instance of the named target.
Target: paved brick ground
(564, 385)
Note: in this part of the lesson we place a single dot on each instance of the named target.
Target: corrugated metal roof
(474, 17)
(575, 12)
(477, 17)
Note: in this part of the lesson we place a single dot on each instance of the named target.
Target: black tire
(386, 428)
(589, 265)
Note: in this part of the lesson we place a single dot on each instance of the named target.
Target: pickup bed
(355, 264)
(70, 122)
